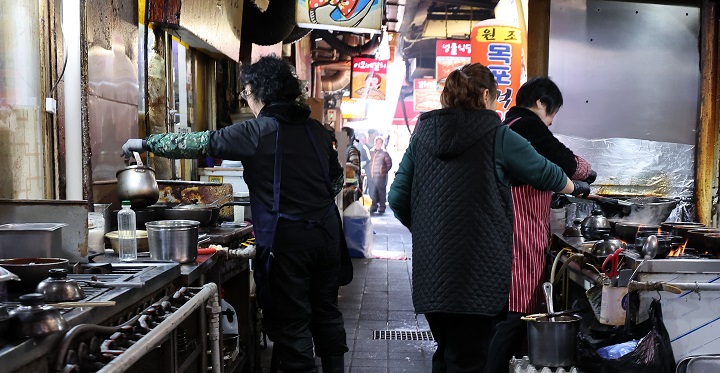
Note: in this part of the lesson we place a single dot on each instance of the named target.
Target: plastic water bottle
(127, 232)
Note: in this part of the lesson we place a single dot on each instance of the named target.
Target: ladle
(548, 289)
(650, 247)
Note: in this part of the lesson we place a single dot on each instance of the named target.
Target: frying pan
(31, 271)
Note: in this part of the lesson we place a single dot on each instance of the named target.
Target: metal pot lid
(6, 275)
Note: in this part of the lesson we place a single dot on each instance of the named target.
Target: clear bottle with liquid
(127, 233)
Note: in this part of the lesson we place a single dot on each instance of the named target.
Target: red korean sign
(369, 78)
(450, 55)
(499, 48)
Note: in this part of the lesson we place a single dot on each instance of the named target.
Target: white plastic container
(127, 233)
(614, 305)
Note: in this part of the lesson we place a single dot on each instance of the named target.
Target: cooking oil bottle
(127, 233)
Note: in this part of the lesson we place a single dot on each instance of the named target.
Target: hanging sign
(368, 78)
(353, 109)
(340, 15)
(450, 55)
(426, 95)
(499, 48)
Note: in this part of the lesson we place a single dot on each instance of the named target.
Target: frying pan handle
(203, 238)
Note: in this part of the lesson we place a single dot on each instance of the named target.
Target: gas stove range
(156, 277)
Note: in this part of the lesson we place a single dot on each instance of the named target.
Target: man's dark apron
(265, 220)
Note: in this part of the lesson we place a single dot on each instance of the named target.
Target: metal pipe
(215, 310)
(75, 331)
(170, 96)
(153, 338)
(658, 286)
(73, 107)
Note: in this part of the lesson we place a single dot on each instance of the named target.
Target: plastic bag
(653, 353)
(358, 230)
(618, 350)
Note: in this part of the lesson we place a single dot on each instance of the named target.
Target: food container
(141, 237)
(174, 240)
(23, 240)
(553, 343)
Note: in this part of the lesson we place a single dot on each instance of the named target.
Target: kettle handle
(138, 160)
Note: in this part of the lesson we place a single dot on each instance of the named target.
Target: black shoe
(373, 209)
(333, 364)
(381, 211)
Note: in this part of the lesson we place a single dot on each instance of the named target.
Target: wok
(648, 210)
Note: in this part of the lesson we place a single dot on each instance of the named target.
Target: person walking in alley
(380, 165)
(452, 191)
(537, 103)
(293, 175)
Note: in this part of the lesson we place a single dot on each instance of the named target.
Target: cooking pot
(627, 231)
(669, 226)
(137, 184)
(31, 271)
(595, 226)
(35, 319)
(199, 211)
(606, 246)
(552, 343)
(59, 288)
(696, 237)
(175, 240)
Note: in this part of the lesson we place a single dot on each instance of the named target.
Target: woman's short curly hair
(271, 79)
(464, 87)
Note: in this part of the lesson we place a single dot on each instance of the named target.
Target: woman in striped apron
(537, 102)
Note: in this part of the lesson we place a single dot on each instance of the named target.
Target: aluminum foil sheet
(632, 167)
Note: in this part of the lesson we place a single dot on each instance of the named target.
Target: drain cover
(403, 335)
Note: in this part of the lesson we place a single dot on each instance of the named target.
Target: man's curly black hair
(271, 79)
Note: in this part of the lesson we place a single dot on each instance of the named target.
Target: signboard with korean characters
(369, 78)
(499, 47)
(450, 55)
(426, 94)
(340, 15)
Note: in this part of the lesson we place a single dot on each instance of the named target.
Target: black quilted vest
(461, 215)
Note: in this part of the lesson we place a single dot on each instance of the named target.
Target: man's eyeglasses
(244, 95)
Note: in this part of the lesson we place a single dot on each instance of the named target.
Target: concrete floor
(379, 299)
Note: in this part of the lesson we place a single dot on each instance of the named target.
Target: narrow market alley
(383, 334)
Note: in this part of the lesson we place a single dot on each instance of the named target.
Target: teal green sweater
(515, 159)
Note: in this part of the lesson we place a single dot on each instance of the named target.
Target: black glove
(558, 201)
(134, 145)
(591, 179)
(582, 189)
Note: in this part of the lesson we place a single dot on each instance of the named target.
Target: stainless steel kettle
(137, 184)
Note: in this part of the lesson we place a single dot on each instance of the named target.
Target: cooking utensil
(109, 303)
(595, 226)
(201, 215)
(141, 239)
(59, 288)
(38, 239)
(137, 184)
(627, 231)
(175, 240)
(610, 265)
(94, 282)
(552, 343)
(650, 248)
(6, 276)
(535, 316)
(649, 210)
(548, 290)
(606, 246)
(33, 318)
(31, 271)
(696, 237)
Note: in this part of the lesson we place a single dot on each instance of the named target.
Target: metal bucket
(553, 343)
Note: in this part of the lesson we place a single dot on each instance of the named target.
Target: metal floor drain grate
(403, 335)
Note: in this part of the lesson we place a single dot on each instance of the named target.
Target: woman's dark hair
(350, 133)
(543, 89)
(271, 79)
(464, 87)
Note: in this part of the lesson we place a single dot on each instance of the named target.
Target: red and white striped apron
(531, 227)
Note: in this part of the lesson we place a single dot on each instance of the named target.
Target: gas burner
(93, 268)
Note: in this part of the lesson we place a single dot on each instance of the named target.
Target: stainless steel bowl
(59, 288)
(35, 319)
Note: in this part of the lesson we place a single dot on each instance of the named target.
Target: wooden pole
(706, 159)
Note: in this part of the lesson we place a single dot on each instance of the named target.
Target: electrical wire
(65, 52)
